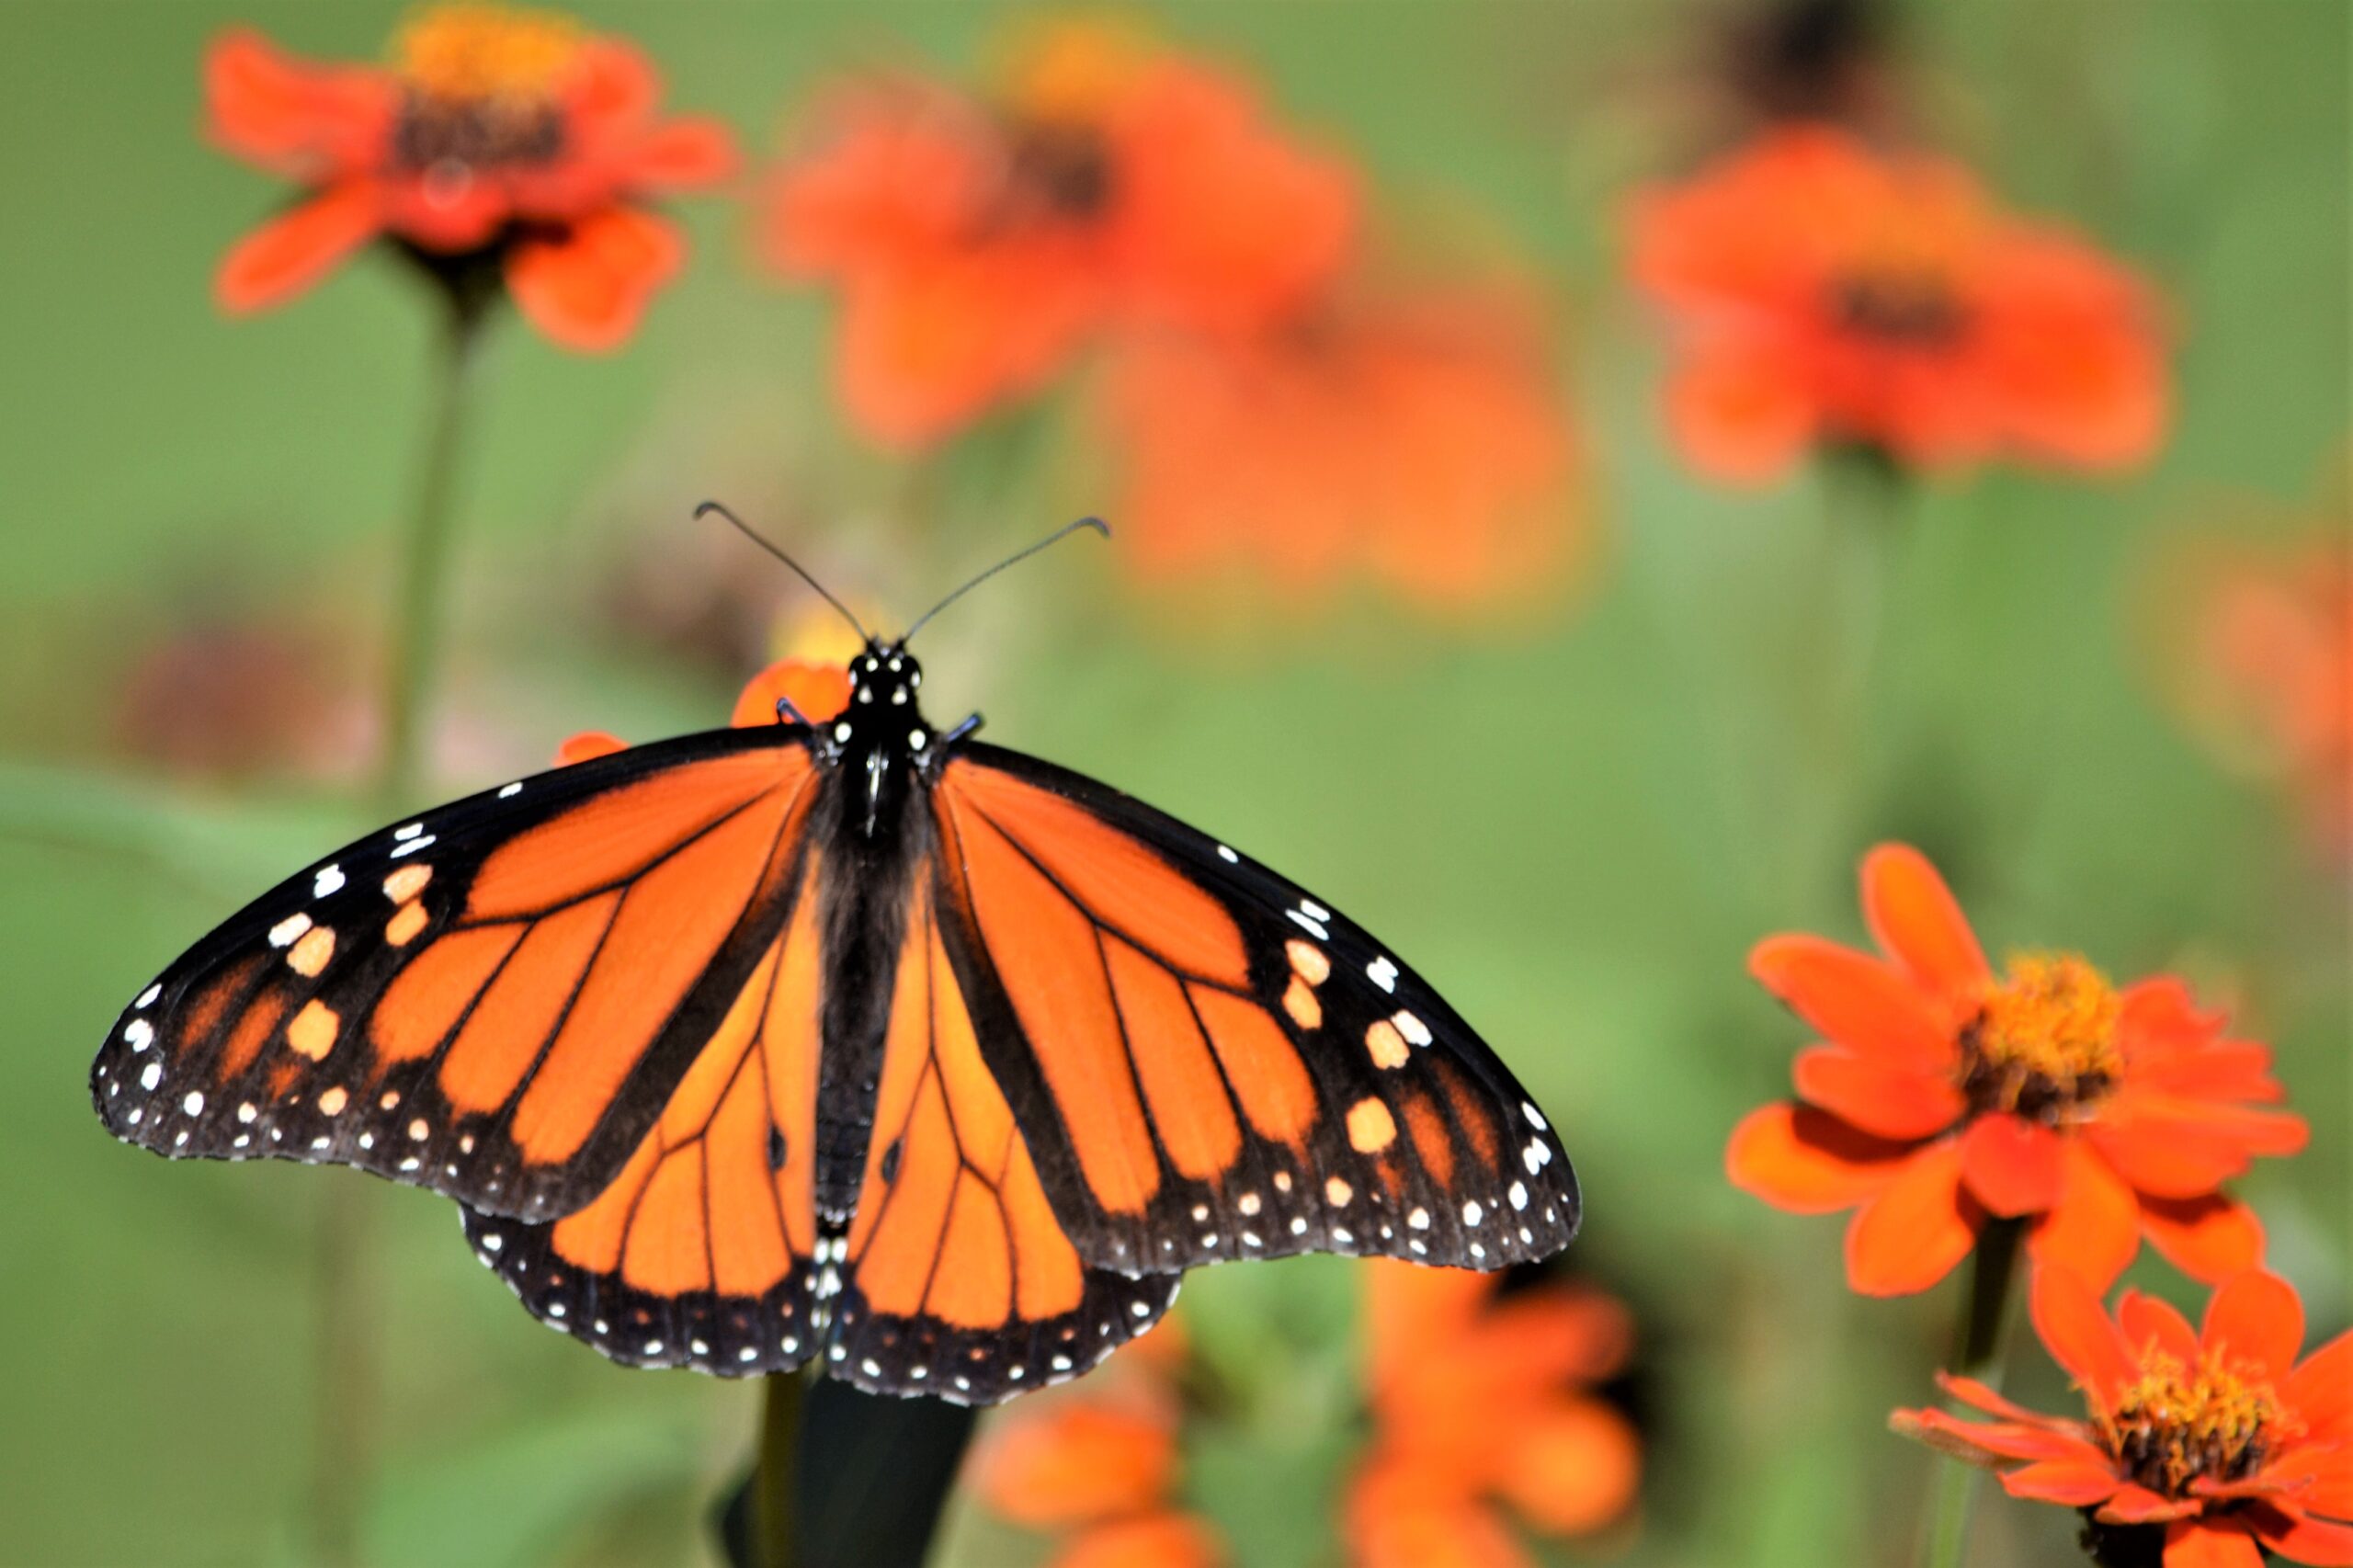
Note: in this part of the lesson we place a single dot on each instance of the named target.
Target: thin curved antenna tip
(1094, 524)
(708, 508)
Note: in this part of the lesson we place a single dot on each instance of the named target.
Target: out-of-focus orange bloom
(978, 246)
(819, 690)
(2223, 1437)
(1102, 1466)
(1820, 292)
(510, 138)
(1948, 1094)
(1478, 1400)
(2270, 672)
(1421, 441)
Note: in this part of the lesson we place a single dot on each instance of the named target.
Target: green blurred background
(1576, 825)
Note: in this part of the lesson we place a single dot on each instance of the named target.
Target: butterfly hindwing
(957, 1279)
(1209, 1063)
(496, 1000)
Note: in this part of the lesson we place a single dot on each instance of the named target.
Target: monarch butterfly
(842, 1036)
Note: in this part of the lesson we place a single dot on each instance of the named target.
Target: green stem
(425, 559)
(772, 1471)
(346, 1380)
(1976, 1352)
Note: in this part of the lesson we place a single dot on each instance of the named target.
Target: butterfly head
(884, 717)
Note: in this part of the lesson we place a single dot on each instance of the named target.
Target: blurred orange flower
(1421, 441)
(978, 246)
(511, 139)
(2223, 1439)
(1948, 1094)
(1820, 292)
(1478, 1400)
(1101, 1466)
(818, 690)
(2271, 671)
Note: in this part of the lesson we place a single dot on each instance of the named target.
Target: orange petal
(2209, 1543)
(2147, 1320)
(2136, 1505)
(819, 691)
(1854, 999)
(2257, 1317)
(586, 287)
(1911, 1234)
(1074, 1462)
(2096, 1227)
(2299, 1537)
(266, 105)
(1916, 921)
(683, 153)
(1571, 1467)
(1807, 1160)
(2160, 1013)
(2210, 1239)
(1740, 414)
(2188, 1147)
(1886, 1099)
(1152, 1541)
(2321, 1392)
(2076, 1482)
(295, 249)
(2012, 1166)
(1989, 1443)
(586, 745)
(2079, 1336)
(1400, 1516)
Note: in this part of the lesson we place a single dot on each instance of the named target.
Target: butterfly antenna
(1096, 524)
(710, 506)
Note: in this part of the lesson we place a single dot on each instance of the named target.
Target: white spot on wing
(147, 997)
(139, 1032)
(409, 831)
(1381, 972)
(414, 844)
(329, 879)
(1307, 922)
(283, 934)
(510, 791)
(1228, 856)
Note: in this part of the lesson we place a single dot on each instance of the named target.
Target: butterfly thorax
(880, 740)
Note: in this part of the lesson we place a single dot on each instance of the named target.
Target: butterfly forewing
(495, 1000)
(1211, 1064)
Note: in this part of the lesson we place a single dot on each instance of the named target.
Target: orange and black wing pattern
(1206, 1063)
(499, 1000)
(957, 1277)
(704, 1249)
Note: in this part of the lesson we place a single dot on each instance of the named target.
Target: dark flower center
(475, 133)
(2042, 1041)
(480, 87)
(1061, 167)
(2176, 1425)
(1902, 309)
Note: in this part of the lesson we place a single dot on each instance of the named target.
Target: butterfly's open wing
(497, 1000)
(957, 1277)
(1207, 1063)
(703, 1250)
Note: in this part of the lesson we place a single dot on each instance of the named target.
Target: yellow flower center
(2177, 1423)
(475, 53)
(2043, 1043)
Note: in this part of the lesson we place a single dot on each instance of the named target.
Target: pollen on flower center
(481, 85)
(2043, 1043)
(1898, 307)
(2176, 1425)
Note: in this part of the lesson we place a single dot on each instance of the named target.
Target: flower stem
(772, 1471)
(346, 1380)
(1976, 1352)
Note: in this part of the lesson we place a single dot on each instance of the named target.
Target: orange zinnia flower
(1823, 293)
(1422, 440)
(2224, 1439)
(818, 690)
(2273, 672)
(1102, 1466)
(1477, 1399)
(1948, 1094)
(499, 140)
(979, 246)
